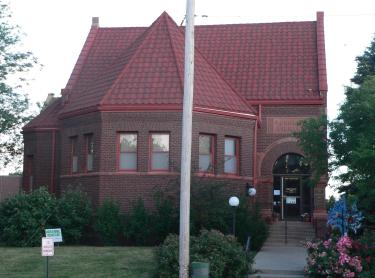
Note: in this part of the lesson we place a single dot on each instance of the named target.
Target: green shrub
(225, 255)
(164, 219)
(209, 210)
(138, 225)
(74, 215)
(108, 223)
(24, 217)
(249, 222)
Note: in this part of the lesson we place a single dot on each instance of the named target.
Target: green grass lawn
(78, 261)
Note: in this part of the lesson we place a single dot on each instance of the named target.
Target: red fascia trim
(151, 152)
(53, 163)
(39, 129)
(224, 112)
(78, 112)
(118, 152)
(287, 102)
(141, 107)
(255, 142)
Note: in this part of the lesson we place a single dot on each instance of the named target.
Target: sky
(55, 31)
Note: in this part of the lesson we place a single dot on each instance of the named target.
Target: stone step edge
(280, 271)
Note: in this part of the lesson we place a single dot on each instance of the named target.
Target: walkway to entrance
(277, 259)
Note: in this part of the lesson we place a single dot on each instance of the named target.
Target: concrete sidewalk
(280, 261)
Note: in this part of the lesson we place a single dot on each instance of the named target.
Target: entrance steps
(277, 274)
(296, 233)
(279, 260)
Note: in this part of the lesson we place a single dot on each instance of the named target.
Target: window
(206, 153)
(74, 153)
(89, 152)
(231, 155)
(128, 152)
(159, 152)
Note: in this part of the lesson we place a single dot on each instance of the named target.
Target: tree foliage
(353, 143)
(366, 64)
(13, 103)
(314, 142)
(352, 138)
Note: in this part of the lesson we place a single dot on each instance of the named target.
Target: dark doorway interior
(291, 194)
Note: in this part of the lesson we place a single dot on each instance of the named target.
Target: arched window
(289, 164)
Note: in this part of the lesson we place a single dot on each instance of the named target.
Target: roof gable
(48, 118)
(150, 72)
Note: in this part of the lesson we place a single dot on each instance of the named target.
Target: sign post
(48, 250)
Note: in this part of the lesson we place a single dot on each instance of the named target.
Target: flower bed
(341, 257)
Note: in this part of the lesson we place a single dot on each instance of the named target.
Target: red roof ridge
(145, 34)
(322, 70)
(180, 75)
(82, 57)
(254, 23)
(230, 85)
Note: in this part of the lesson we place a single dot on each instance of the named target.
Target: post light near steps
(234, 202)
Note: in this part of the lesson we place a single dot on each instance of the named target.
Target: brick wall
(275, 139)
(106, 182)
(9, 186)
(38, 149)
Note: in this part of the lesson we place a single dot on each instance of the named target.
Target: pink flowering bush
(333, 258)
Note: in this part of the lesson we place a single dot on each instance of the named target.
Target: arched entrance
(291, 195)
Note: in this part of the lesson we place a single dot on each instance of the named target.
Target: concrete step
(282, 237)
(296, 233)
(277, 273)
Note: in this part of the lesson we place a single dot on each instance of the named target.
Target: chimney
(49, 99)
(95, 22)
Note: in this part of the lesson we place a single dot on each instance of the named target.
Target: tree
(353, 143)
(352, 138)
(314, 142)
(366, 64)
(13, 104)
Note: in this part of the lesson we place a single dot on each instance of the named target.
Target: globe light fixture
(234, 201)
(250, 190)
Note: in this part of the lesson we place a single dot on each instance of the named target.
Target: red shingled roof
(48, 118)
(125, 68)
(271, 61)
(150, 72)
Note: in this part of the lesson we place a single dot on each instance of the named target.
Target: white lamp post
(234, 202)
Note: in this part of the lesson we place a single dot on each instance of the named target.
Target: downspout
(52, 190)
(255, 142)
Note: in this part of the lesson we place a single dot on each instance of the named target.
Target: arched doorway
(291, 195)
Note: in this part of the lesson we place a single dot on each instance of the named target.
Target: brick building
(116, 129)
